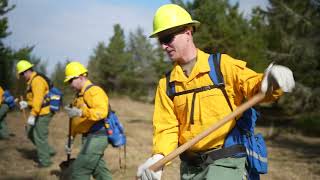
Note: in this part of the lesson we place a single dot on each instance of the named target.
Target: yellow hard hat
(74, 69)
(23, 65)
(169, 16)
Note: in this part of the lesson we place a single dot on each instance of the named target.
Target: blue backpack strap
(216, 75)
(171, 89)
(85, 90)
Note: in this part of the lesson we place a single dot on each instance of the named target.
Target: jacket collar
(33, 74)
(86, 84)
(201, 66)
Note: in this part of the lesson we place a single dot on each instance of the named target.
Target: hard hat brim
(25, 69)
(67, 79)
(194, 23)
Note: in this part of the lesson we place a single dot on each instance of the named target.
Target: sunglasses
(167, 39)
(72, 79)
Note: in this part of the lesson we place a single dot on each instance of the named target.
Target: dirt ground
(291, 155)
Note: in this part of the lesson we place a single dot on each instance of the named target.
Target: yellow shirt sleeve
(165, 123)
(39, 89)
(244, 81)
(96, 104)
(1, 95)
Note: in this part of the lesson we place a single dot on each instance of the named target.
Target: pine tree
(293, 38)
(224, 29)
(112, 62)
(142, 57)
(6, 61)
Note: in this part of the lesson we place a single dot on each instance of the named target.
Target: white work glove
(73, 112)
(23, 104)
(68, 149)
(281, 75)
(31, 120)
(144, 173)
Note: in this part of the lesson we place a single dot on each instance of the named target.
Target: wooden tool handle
(251, 102)
(23, 110)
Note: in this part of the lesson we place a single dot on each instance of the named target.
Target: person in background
(178, 120)
(6, 103)
(40, 115)
(87, 113)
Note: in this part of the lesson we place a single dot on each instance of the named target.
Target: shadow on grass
(307, 150)
(28, 154)
(16, 178)
(138, 121)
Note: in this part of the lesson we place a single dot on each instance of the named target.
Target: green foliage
(25, 53)
(130, 68)
(293, 37)
(6, 62)
(110, 64)
(309, 124)
(223, 29)
(58, 76)
(9, 57)
(144, 63)
(95, 59)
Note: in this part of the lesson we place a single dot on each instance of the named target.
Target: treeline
(287, 33)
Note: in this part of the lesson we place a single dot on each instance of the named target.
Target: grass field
(291, 155)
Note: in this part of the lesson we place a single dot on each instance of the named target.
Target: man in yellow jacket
(4, 108)
(180, 119)
(40, 115)
(88, 111)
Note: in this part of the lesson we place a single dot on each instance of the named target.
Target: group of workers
(175, 121)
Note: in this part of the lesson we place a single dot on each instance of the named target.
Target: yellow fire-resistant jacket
(37, 88)
(94, 105)
(171, 119)
(1, 95)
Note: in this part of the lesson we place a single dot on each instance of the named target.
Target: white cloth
(281, 75)
(144, 173)
(73, 112)
(23, 104)
(31, 120)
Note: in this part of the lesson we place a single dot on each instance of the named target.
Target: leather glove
(31, 120)
(73, 112)
(67, 148)
(144, 173)
(276, 75)
(23, 104)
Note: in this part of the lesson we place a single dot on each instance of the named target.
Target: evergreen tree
(58, 75)
(25, 53)
(112, 62)
(223, 29)
(141, 63)
(6, 61)
(98, 56)
(293, 37)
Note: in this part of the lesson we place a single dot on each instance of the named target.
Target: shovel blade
(66, 164)
(65, 169)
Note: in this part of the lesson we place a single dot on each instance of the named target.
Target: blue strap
(171, 89)
(215, 73)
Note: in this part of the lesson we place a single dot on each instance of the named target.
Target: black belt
(97, 129)
(101, 132)
(202, 158)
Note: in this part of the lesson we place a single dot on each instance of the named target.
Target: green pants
(226, 169)
(38, 134)
(90, 159)
(3, 124)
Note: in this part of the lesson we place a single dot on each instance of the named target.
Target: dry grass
(290, 156)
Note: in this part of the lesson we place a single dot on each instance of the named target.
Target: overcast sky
(71, 29)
